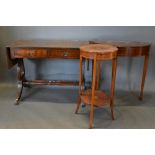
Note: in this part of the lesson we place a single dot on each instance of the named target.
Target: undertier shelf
(100, 98)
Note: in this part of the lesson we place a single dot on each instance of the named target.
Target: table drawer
(64, 53)
(30, 53)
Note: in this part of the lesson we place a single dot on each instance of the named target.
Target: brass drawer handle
(31, 53)
(65, 54)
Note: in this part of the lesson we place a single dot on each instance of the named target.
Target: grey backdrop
(129, 70)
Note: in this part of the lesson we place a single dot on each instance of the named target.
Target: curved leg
(80, 86)
(93, 93)
(114, 64)
(19, 92)
(146, 60)
(21, 78)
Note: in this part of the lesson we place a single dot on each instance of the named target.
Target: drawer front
(30, 53)
(64, 53)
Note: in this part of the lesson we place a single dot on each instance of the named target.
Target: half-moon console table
(131, 49)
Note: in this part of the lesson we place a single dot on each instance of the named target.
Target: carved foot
(16, 102)
(21, 78)
(19, 93)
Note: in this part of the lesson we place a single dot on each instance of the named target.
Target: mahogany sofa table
(37, 49)
(131, 49)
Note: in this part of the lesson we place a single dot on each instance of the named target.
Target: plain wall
(129, 70)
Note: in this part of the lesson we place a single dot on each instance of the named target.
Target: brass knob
(32, 53)
(65, 54)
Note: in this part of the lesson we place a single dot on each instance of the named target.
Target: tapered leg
(78, 105)
(114, 65)
(93, 93)
(92, 68)
(80, 87)
(145, 67)
(98, 76)
(112, 109)
(21, 79)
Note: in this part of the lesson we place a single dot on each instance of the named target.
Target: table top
(48, 44)
(73, 43)
(122, 43)
(98, 48)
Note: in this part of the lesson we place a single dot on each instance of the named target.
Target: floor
(53, 108)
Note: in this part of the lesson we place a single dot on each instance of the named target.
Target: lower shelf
(100, 98)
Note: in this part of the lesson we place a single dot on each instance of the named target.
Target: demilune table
(129, 49)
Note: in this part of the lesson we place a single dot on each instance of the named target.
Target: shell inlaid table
(94, 97)
(131, 49)
(37, 49)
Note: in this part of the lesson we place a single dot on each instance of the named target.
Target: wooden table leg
(114, 66)
(98, 76)
(80, 87)
(93, 93)
(21, 78)
(92, 69)
(145, 67)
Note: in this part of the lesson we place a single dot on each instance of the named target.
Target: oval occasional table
(131, 49)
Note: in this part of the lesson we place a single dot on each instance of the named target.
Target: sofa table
(39, 49)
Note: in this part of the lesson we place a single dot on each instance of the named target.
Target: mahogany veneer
(38, 49)
(131, 49)
(100, 98)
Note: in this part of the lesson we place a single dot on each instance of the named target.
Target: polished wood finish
(114, 65)
(43, 49)
(100, 51)
(95, 97)
(80, 86)
(145, 67)
(131, 49)
(69, 44)
(21, 79)
(64, 53)
(46, 53)
(93, 92)
(38, 49)
(50, 82)
(29, 53)
(100, 98)
(98, 75)
(127, 48)
(10, 61)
